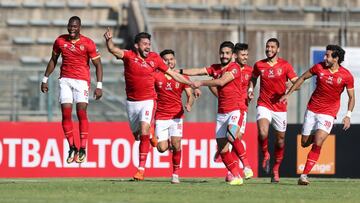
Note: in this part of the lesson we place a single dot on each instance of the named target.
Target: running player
(140, 65)
(324, 104)
(227, 79)
(169, 112)
(274, 72)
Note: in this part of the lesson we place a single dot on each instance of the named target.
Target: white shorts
(315, 121)
(164, 129)
(277, 119)
(243, 122)
(73, 90)
(138, 111)
(224, 120)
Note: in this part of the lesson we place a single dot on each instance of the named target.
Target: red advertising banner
(32, 149)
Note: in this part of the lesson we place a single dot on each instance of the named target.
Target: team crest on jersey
(262, 72)
(160, 84)
(152, 64)
(177, 85)
(339, 80)
(247, 76)
(234, 71)
(65, 45)
(82, 47)
(279, 71)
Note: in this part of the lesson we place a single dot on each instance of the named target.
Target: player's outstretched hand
(195, 84)
(44, 87)
(346, 122)
(108, 35)
(284, 98)
(187, 107)
(197, 93)
(97, 93)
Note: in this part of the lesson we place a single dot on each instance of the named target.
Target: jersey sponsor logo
(82, 48)
(271, 73)
(330, 80)
(72, 48)
(168, 86)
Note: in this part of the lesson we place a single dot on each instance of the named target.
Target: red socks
(84, 127)
(67, 125)
(264, 145)
(230, 164)
(176, 158)
(241, 152)
(144, 148)
(312, 158)
(279, 155)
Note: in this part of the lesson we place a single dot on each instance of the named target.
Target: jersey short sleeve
(56, 47)
(350, 82)
(210, 70)
(161, 65)
(290, 73)
(92, 50)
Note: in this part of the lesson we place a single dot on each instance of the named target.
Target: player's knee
(232, 132)
(162, 147)
(263, 132)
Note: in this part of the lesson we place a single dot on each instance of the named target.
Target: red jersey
(273, 83)
(329, 86)
(229, 95)
(246, 73)
(75, 56)
(139, 75)
(169, 103)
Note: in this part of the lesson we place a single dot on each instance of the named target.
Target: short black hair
(274, 40)
(75, 18)
(337, 51)
(167, 51)
(140, 36)
(227, 44)
(240, 47)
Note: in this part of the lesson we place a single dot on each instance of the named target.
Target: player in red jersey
(140, 65)
(324, 104)
(76, 51)
(169, 112)
(274, 72)
(227, 79)
(241, 57)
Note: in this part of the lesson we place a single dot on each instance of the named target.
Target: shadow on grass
(192, 181)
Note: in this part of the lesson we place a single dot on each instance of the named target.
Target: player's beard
(223, 62)
(271, 57)
(142, 53)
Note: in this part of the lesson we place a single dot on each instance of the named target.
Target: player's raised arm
(178, 77)
(49, 69)
(226, 78)
(116, 51)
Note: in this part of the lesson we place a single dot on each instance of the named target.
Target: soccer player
(76, 51)
(169, 112)
(227, 79)
(324, 103)
(274, 72)
(140, 64)
(241, 57)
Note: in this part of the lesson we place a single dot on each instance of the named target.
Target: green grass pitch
(189, 190)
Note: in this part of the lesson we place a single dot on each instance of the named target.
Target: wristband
(250, 90)
(45, 79)
(99, 85)
(348, 114)
(181, 71)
